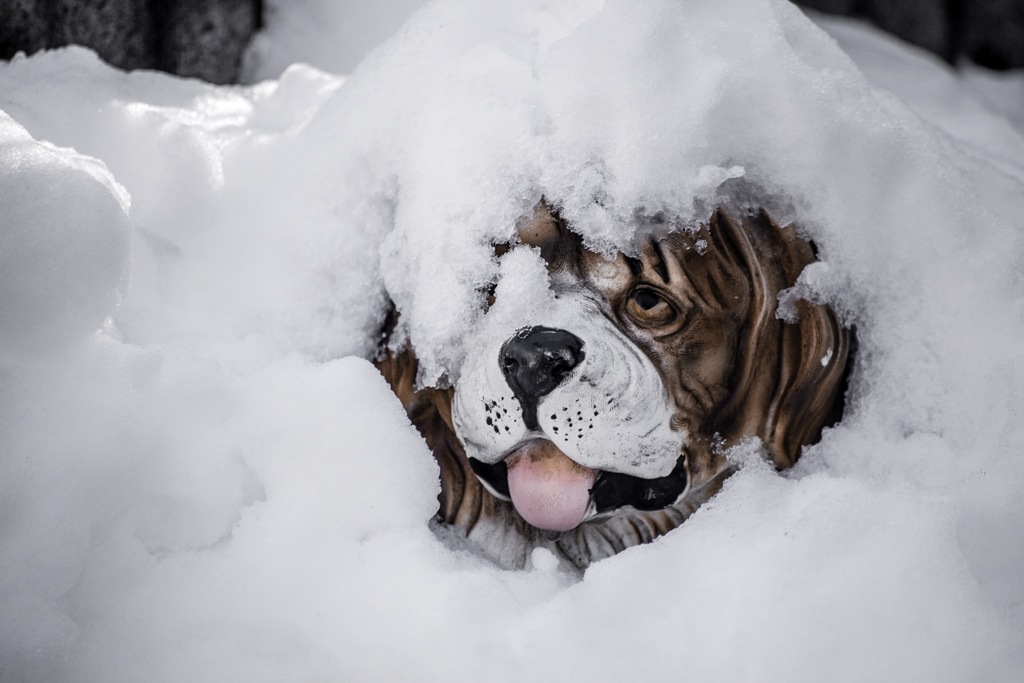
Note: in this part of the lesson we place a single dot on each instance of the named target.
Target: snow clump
(209, 481)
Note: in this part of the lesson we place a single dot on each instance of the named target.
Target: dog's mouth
(554, 493)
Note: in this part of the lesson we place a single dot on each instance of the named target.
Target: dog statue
(602, 424)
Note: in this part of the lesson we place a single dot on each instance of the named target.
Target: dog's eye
(649, 308)
(646, 299)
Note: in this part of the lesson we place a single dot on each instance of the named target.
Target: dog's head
(617, 394)
(617, 398)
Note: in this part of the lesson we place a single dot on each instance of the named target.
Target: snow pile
(212, 487)
(64, 257)
(235, 207)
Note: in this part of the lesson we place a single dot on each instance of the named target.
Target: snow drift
(209, 482)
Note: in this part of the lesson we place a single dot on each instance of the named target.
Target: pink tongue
(549, 490)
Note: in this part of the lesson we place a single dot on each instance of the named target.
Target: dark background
(206, 38)
(200, 38)
(988, 32)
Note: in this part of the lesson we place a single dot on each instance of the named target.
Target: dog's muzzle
(549, 489)
(569, 426)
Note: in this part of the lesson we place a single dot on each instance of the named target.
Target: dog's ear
(399, 368)
(791, 375)
(813, 364)
(462, 497)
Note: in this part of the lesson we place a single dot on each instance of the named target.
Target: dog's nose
(536, 359)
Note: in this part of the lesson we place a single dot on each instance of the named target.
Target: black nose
(536, 359)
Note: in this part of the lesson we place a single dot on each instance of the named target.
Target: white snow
(208, 482)
(64, 256)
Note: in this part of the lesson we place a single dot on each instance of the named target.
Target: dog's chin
(555, 494)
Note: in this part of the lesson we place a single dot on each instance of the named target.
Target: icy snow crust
(216, 486)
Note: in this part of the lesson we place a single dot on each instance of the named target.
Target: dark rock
(845, 7)
(23, 26)
(206, 39)
(925, 23)
(989, 32)
(993, 35)
(120, 31)
(200, 38)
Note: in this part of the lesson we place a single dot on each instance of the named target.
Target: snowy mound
(64, 255)
(212, 483)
